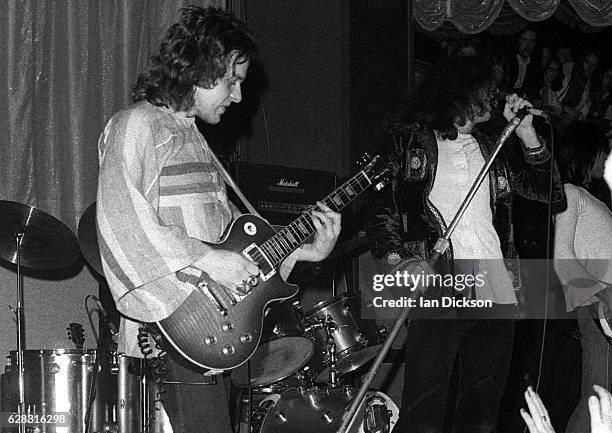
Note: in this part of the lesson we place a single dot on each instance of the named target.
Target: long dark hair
(450, 94)
(197, 50)
(581, 144)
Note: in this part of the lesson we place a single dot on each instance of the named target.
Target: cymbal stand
(439, 248)
(20, 329)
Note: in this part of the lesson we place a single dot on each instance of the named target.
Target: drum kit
(68, 390)
(299, 379)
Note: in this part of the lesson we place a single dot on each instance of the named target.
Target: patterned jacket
(405, 222)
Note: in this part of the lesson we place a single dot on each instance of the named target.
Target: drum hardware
(103, 350)
(32, 239)
(356, 341)
(58, 380)
(377, 416)
(333, 371)
(131, 387)
(317, 409)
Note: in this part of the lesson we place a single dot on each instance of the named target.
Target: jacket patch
(416, 163)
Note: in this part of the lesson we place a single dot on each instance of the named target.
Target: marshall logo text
(289, 183)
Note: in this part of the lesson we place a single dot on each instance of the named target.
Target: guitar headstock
(374, 167)
(76, 334)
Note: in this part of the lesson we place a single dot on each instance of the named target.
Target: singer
(436, 151)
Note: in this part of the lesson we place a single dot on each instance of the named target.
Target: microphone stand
(439, 248)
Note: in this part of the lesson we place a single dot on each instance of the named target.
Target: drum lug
(325, 416)
(313, 397)
(281, 416)
(382, 331)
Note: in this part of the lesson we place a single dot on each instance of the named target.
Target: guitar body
(210, 339)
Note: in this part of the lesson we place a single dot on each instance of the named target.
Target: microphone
(522, 112)
(111, 326)
(518, 118)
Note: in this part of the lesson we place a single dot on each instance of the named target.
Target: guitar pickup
(203, 286)
(254, 253)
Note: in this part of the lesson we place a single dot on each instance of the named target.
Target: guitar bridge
(266, 268)
(203, 286)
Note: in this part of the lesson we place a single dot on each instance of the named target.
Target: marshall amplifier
(280, 194)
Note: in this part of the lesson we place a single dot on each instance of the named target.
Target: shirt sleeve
(579, 285)
(138, 251)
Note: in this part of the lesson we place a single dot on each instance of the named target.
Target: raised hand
(601, 410)
(537, 419)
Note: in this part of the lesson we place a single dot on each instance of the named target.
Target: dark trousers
(482, 349)
(192, 406)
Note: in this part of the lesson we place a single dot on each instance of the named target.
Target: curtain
(66, 67)
(474, 16)
(595, 12)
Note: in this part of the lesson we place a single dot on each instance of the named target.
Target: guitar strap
(229, 181)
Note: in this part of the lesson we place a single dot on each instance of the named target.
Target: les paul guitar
(218, 330)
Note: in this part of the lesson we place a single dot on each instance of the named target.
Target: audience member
(552, 79)
(537, 418)
(601, 110)
(581, 88)
(546, 56)
(583, 256)
(525, 73)
(600, 409)
(565, 55)
(581, 142)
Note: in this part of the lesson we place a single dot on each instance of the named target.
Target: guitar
(219, 330)
(76, 335)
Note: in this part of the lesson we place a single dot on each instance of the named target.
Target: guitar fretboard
(283, 243)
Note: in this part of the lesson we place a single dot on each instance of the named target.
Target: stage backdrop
(65, 68)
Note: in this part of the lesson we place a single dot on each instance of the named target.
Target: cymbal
(88, 238)
(47, 243)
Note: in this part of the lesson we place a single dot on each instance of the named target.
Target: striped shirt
(159, 196)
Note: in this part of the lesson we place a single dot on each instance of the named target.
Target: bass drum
(320, 410)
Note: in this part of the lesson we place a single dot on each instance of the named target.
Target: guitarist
(160, 195)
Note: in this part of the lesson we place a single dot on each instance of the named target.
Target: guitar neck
(287, 240)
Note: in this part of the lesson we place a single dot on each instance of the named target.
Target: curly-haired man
(161, 193)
